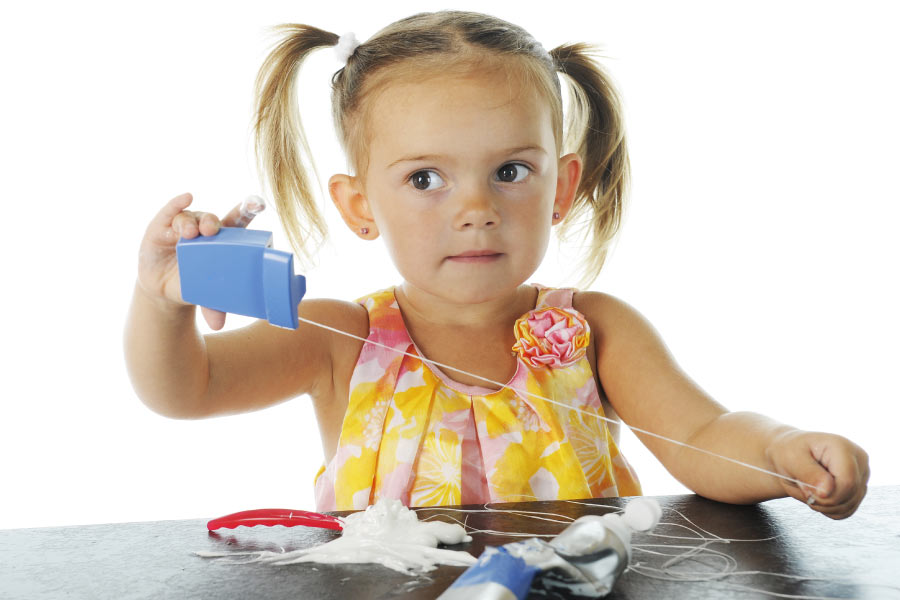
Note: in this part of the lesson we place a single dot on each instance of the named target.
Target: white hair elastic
(346, 46)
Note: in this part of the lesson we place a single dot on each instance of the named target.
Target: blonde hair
(594, 127)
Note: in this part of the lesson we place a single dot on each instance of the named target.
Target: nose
(477, 210)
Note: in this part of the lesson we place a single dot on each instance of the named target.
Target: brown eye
(512, 172)
(423, 180)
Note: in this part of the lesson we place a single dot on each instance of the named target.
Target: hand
(157, 262)
(833, 464)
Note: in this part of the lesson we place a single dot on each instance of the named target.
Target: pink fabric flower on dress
(551, 337)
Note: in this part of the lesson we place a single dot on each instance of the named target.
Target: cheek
(533, 209)
(540, 241)
(535, 226)
(407, 238)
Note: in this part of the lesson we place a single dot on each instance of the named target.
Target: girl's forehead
(475, 110)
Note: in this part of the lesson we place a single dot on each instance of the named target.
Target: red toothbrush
(275, 516)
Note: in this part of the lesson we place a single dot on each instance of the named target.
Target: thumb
(214, 318)
(818, 481)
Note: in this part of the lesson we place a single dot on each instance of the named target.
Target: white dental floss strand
(386, 533)
(680, 563)
(407, 564)
(685, 562)
(700, 563)
(551, 401)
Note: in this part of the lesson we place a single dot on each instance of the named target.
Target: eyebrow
(429, 157)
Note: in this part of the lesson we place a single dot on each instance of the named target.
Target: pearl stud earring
(556, 216)
(364, 230)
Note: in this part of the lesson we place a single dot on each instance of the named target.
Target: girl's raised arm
(180, 373)
(650, 391)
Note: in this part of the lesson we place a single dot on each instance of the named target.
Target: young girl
(463, 384)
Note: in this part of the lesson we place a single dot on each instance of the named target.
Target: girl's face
(462, 183)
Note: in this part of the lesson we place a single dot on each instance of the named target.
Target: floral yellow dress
(412, 433)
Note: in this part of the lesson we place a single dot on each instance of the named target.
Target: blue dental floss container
(237, 271)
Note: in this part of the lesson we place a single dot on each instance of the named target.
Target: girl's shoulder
(327, 322)
(609, 316)
(596, 304)
(349, 317)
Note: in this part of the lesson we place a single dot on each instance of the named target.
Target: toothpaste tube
(585, 559)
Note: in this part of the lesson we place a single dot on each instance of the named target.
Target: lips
(476, 256)
(471, 253)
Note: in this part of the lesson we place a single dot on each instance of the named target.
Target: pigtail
(281, 146)
(595, 129)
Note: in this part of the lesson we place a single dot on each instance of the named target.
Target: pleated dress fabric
(412, 433)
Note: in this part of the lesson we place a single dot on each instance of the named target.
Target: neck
(420, 306)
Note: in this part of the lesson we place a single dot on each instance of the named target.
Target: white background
(760, 238)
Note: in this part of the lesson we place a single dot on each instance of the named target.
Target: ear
(350, 199)
(567, 179)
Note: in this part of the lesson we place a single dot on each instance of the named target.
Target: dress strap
(555, 297)
(386, 324)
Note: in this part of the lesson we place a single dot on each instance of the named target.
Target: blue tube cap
(237, 271)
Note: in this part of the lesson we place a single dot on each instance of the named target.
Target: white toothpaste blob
(642, 514)
(250, 207)
(386, 533)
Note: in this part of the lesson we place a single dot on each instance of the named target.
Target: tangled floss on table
(392, 535)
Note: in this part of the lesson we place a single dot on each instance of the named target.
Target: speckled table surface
(857, 558)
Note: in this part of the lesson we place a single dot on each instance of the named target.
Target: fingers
(792, 455)
(831, 507)
(189, 224)
(157, 264)
(173, 221)
(160, 231)
(811, 490)
(848, 463)
(834, 469)
(214, 318)
(172, 208)
(849, 466)
(844, 509)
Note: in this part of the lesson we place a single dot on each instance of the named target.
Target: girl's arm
(180, 373)
(649, 391)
